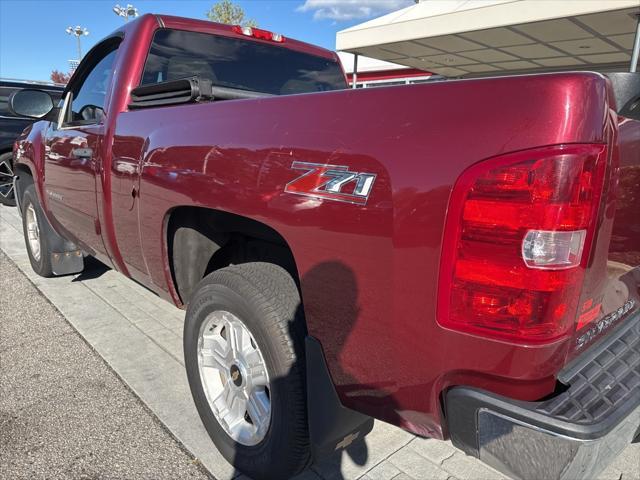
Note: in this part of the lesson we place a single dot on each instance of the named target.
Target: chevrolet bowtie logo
(348, 440)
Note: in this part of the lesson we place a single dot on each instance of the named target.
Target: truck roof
(206, 26)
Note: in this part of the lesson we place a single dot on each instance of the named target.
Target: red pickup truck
(460, 259)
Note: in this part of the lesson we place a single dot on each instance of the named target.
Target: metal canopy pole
(636, 48)
(354, 77)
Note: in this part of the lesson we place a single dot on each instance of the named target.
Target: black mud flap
(332, 427)
(66, 258)
(66, 263)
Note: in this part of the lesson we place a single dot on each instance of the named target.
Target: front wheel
(243, 346)
(35, 233)
(7, 195)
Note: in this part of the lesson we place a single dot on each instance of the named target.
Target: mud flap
(65, 263)
(66, 258)
(332, 427)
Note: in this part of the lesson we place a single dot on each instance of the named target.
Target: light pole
(126, 12)
(78, 32)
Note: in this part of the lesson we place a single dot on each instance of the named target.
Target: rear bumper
(572, 435)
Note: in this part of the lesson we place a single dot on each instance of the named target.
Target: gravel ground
(63, 412)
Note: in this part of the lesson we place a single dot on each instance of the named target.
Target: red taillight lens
(518, 232)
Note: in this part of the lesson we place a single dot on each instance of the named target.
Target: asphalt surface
(63, 412)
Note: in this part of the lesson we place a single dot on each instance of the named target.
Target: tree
(60, 77)
(225, 11)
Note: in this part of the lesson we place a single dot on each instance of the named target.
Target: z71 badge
(331, 182)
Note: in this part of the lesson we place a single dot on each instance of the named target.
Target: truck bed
(237, 155)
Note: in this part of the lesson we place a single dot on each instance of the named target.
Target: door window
(89, 97)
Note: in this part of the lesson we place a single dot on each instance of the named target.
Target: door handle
(82, 152)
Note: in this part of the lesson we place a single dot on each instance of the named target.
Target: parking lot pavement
(139, 336)
(63, 412)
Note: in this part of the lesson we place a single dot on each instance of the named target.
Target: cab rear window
(242, 64)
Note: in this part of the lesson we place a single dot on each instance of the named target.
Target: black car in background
(11, 126)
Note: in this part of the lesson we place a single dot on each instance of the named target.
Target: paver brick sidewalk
(140, 336)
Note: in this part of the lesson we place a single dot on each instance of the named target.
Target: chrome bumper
(573, 435)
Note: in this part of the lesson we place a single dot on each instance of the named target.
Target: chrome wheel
(234, 377)
(6, 179)
(33, 232)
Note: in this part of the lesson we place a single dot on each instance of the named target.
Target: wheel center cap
(236, 376)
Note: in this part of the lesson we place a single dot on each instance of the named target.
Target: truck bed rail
(186, 90)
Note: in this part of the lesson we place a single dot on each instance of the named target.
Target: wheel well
(25, 178)
(202, 240)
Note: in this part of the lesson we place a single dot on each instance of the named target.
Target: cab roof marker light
(258, 33)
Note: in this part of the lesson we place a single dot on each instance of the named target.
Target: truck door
(73, 150)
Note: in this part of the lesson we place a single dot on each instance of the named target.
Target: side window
(88, 102)
(5, 92)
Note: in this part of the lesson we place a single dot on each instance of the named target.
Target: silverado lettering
(604, 323)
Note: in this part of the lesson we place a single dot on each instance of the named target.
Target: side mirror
(30, 103)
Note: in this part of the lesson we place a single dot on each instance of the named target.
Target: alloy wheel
(6, 178)
(234, 377)
(33, 232)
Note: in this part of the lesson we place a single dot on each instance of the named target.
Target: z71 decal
(331, 182)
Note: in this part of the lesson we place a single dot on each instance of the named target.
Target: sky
(33, 41)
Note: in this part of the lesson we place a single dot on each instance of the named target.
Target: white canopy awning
(366, 64)
(479, 37)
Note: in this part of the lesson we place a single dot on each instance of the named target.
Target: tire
(33, 226)
(264, 298)
(7, 195)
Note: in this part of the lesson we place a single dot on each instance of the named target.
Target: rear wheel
(35, 234)
(243, 341)
(7, 196)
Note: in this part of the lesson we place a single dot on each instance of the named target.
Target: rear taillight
(258, 33)
(517, 238)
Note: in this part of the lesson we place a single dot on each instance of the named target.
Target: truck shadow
(331, 303)
(93, 268)
(330, 293)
